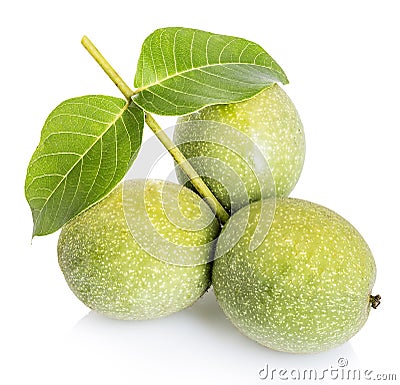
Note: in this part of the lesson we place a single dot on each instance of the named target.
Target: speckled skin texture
(270, 128)
(111, 273)
(306, 288)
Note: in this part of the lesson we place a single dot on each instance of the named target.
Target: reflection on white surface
(190, 346)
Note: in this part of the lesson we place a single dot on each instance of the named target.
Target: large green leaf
(86, 147)
(181, 70)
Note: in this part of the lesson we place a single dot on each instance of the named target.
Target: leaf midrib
(143, 88)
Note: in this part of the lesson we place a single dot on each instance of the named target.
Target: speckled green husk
(269, 128)
(110, 272)
(306, 288)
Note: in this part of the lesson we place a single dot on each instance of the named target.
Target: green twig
(106, 66)
(179, 158)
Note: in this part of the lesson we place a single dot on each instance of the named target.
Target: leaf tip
(285, 80)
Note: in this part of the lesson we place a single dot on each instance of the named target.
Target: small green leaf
(86, 147)
(181, 70)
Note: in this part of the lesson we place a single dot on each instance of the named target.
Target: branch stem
(195, 179)
(107, 68)
(179, 158)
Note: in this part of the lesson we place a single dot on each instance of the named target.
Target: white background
(342, 59)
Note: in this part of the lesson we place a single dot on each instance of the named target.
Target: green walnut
(244, 151)
(303, 286)
(107, 262)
